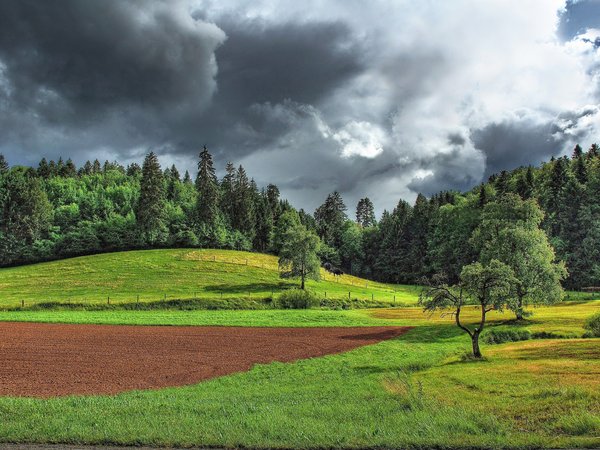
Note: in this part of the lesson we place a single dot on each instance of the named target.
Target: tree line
(57, 210)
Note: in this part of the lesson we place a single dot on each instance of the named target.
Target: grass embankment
(159, 275)
(413, 391)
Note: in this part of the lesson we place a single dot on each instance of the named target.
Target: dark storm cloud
(382, 101)
(105, 74)
(448, 174)
(82, 58)
(508, 145)
(264, 65)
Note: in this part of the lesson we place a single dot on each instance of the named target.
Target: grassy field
(155, 275)
(414, 391)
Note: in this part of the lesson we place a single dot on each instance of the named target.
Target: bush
(296, 299)
(501, 336)
(593, 325)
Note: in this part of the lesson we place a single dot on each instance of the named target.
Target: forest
(57, 210)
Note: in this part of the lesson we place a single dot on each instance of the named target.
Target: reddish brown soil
(46, 360)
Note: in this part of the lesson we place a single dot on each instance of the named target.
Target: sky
(383, 99)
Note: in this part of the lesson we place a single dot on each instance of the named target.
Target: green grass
(415, 391)
(176, 274)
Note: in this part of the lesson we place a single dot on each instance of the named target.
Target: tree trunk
(302, 282)
(475, 342)
(519, 309)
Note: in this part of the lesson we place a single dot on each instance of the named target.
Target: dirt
(48, 360)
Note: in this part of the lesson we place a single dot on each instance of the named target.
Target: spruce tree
(502, 184)
(187, 179)
(580, 170)
(43, 169)
(593, 152)
(274, 201)
(264, 224)
(207, 203)
(133, 169)
(365, 213)
(172, 183)
(87, 168)
(69, 169)
(3, 164)
(483, 197)
(150, 207)
(525, 184)
(244, 195)
(227, 192)
(577, 152)
(330, 218)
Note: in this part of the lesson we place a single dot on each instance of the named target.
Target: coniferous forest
(57, 210)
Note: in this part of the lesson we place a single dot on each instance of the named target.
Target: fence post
(22, 303)
(348, 295)
(371, 296)
(108, 300)
(394, 299)
(325, 294)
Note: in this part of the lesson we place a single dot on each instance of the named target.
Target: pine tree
(502, 184)
(87, 168)
(173, 181)
(483, 197)
(418, 232)
(243, 213)
(577, 152)
(43, 170)
(330, 218)
(365, 213)
(580, 170)
(274, 202)
(133, 169)
(187, 179)
(207, 204)
(264, 224)
(227, 192)
(96, 168)
(593, 152)
(69, 170)
(3, 164)
(150, 207)
(175, 173)
(525, 184)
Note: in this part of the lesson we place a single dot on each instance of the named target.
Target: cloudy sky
(379, 98)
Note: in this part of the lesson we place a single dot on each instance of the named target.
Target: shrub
(296, 299)
(501, 336)
(593, 325)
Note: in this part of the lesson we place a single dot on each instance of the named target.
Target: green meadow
(416, 391)
(156, 275)
(419, 390)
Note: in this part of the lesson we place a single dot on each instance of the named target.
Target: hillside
(176, 274)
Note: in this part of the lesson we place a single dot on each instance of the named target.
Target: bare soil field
(48, 360)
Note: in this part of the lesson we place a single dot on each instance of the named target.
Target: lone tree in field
(489, 287)
(510, 233)
(298, 255)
